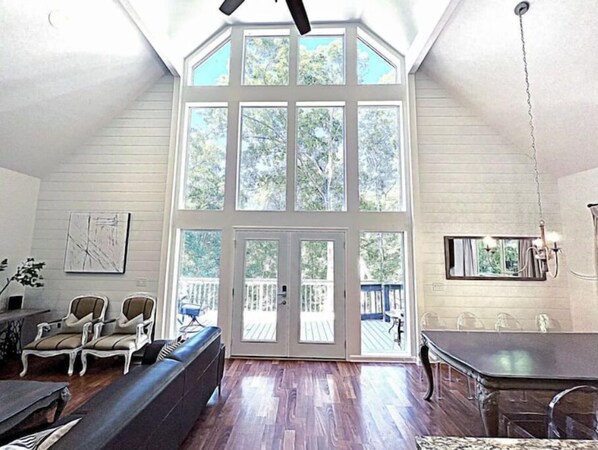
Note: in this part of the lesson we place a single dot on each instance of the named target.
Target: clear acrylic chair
(468, 321)
(431, 321)
(506, 322)
(546, 324)
(573, 414)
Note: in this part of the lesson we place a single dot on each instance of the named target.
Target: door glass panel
(260, 288)
(317, 291)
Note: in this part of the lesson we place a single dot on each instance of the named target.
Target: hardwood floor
(301, 404)
(322, 405)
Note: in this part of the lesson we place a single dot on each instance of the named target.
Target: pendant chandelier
(546, 248)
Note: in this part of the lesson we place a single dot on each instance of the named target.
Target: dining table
(512, 361)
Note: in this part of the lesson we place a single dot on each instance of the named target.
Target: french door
(289, 294)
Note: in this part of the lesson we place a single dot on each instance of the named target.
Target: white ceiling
(59, 85)
(190, 23)
(478, 58)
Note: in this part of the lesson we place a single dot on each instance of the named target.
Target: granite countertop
(469, 443)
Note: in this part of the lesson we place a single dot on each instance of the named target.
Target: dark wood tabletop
(522, 355)
(20, 399)
(513, 361)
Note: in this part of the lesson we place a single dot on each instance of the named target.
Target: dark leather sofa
(156, 404)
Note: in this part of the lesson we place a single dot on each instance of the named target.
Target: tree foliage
(319, 165)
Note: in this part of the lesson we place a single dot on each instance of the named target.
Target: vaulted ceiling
(68, 66)
(478, 58)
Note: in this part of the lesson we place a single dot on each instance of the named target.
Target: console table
(512, 361)
(10, 335)
(21, 400)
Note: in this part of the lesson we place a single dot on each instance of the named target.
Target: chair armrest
(45, 326)
(141, 329)
(152, 351)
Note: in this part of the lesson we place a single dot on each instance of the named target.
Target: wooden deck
(375, 337)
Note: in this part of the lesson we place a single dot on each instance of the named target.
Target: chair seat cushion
(64, 341)
(114, 342)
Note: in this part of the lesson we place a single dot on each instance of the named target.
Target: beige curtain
(532, 270)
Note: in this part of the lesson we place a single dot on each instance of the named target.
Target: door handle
(283, 292)
(284, 302)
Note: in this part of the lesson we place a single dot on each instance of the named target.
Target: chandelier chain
(531, 122)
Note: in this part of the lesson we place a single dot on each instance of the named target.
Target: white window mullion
(232, 153)
(351, 158)
(293, 56)
(236, 57)
(291, 153)
(351, 55)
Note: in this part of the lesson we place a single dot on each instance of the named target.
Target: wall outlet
(438, 287)
(141, 282)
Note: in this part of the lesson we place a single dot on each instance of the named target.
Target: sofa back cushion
(129, 412)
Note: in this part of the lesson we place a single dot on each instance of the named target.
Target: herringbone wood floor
(302, 404)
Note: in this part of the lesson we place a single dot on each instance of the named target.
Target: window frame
(351, 220)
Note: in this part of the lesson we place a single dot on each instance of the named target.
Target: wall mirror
(496, 258)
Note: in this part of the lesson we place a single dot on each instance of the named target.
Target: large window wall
(284, 131)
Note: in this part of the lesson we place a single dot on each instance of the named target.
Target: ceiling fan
(295, 6)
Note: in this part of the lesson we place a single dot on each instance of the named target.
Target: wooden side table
(10, 335)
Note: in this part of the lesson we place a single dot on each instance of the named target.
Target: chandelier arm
(581, 276)
(527, 260)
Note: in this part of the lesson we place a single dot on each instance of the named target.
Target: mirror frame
(489, 278)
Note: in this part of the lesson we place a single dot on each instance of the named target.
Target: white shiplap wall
(122, 168)
(473, 182)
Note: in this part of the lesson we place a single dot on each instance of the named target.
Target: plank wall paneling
(122, 168)
(473, 182)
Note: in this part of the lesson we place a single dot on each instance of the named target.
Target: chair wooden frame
(71, 353)
(143, 336)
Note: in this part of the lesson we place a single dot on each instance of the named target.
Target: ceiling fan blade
(229, 6)
(299, 15)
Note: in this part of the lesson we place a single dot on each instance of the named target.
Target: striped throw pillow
(169, 347)
(42, 440)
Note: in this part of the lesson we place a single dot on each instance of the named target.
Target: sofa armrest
(151, 351)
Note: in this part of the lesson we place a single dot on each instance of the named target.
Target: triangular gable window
(214, 69)
(372, 67)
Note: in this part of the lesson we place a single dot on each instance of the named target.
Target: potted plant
(27, 274)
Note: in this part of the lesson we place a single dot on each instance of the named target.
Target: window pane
(317, 291)
(213, 70)
(373, 68)
(320, 164)
(379, 158)
(382, 293)
(266, 61)
(206, 158)
(263, 160)
(321, 60)
(199, 279)
(261, 288)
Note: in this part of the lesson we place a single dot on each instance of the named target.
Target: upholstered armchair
(73, 331)
(132, 330)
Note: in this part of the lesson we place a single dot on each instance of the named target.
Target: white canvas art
(97, 242)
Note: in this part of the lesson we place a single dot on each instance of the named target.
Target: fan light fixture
(295, 7)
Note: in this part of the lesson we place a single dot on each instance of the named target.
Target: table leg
(425, 360)
(10, 339)
(65, 396)
(488, 404)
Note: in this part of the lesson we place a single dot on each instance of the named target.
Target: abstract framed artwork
(97, 242)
